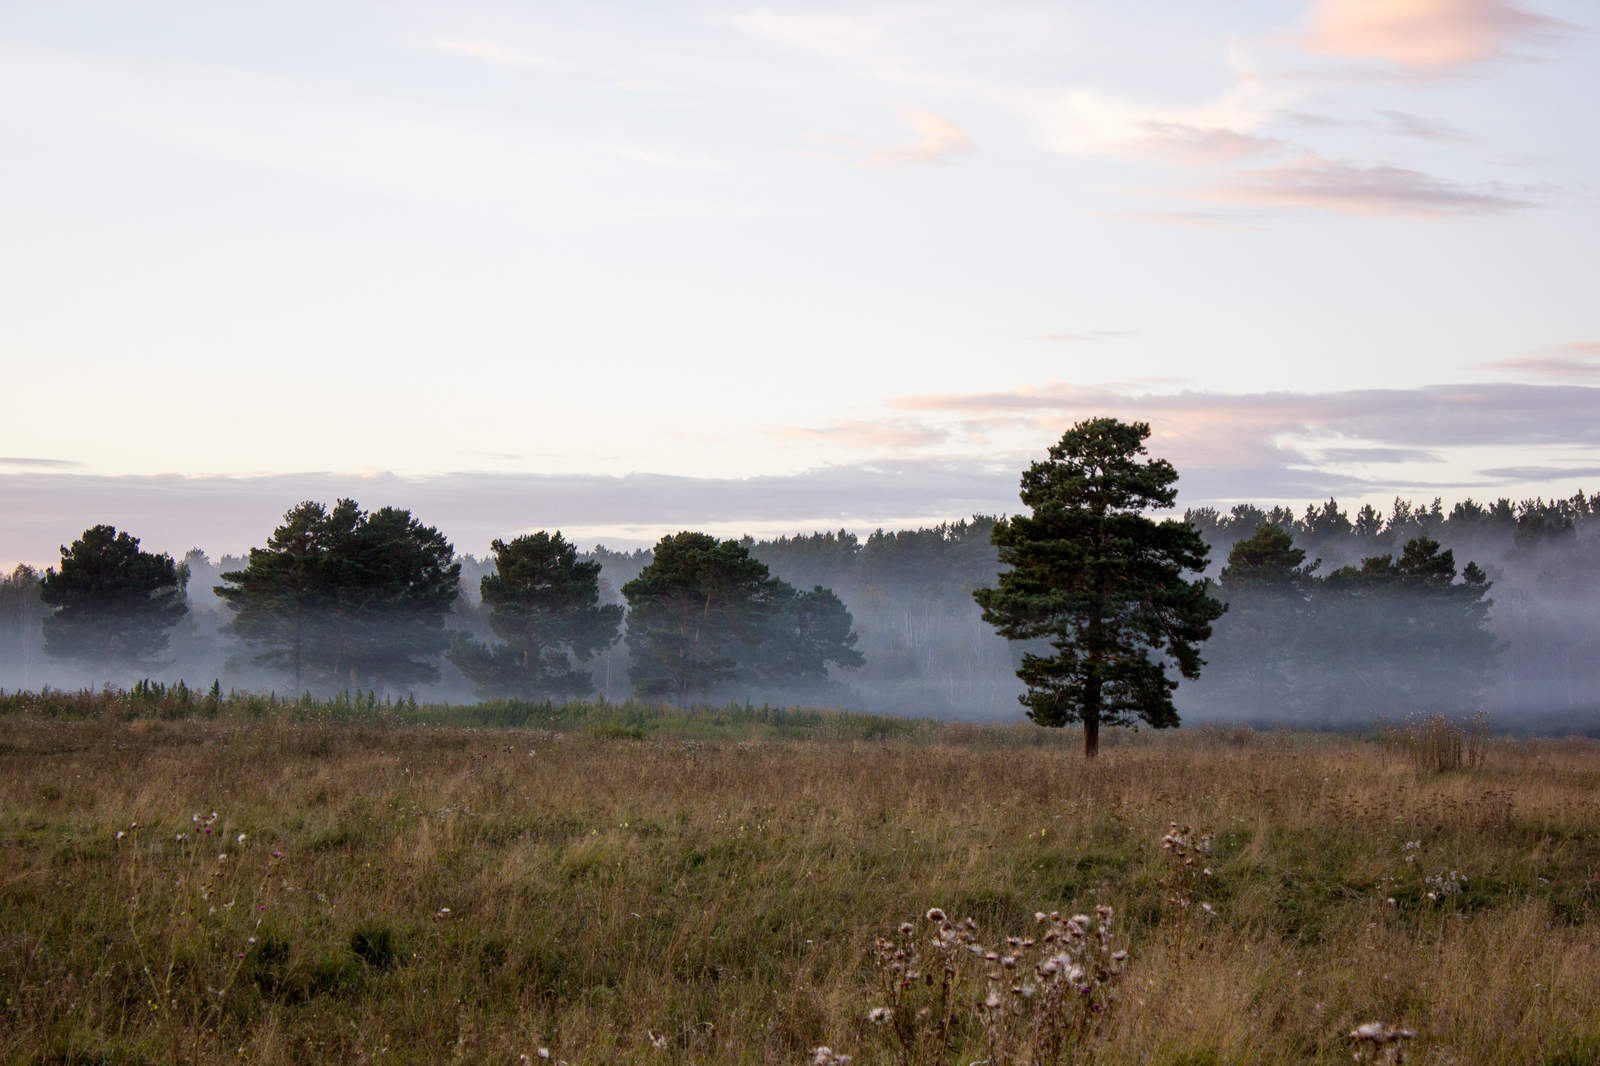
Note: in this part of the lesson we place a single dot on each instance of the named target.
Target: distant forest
(1334, 617)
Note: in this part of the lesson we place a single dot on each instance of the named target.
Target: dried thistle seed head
(880, 1015)
(906, 927)
(935, 915)
(1040, 916)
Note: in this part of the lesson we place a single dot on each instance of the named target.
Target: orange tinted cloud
(940, 141)
(1428, 35)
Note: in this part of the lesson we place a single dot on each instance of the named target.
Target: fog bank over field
(1330, 646)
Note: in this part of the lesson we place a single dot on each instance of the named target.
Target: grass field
(337, 883)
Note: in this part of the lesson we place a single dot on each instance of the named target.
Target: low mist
(1311, 653)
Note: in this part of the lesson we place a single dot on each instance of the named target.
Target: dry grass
(453, 895)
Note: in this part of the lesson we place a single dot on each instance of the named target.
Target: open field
(616, 890)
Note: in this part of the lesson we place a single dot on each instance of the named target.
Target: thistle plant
(1035, 999)
(1187, 853)
(1377, 1042)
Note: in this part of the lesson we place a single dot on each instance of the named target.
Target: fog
(1313, 655)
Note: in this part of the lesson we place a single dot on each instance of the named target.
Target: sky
(624, 268)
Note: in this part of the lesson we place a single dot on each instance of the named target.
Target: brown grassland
(709, 890)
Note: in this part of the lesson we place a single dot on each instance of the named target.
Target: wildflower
(544, 1053)
(658, 1039)
(1040, 916)
(880, 1015)
(223, 857)
(120, 834)
(992, 1001)
(906, 927)
(934, 915)
(241, 838)
(1392, 903)
(1207, 908)
(825, 1056)
(277, 855)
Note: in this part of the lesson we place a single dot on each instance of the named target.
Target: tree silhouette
(544, 603)
(115, 605)
(685, 608)
(1090, 573)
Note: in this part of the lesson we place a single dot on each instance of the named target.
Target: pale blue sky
(718, 240)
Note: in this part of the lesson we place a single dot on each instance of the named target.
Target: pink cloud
(1564, 362)
(1425, 35)
(1259, 430)
(1315, 183)
(940, 141)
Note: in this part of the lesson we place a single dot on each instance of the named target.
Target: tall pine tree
(544, 604)
(1103, 583)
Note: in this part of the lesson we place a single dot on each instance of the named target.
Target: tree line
(1331, 616)
(346, 597)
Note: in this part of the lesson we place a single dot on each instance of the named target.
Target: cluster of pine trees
(352, 598)
(1332, 616)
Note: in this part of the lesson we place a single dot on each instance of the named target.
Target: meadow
(196, 880)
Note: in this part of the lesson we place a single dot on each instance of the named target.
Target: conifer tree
(544, 604)
(1103, 583)
(115, 605)
(696, 597)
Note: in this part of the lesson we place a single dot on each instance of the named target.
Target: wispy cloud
(1564, 362)
(1434, 416)
(232, 514)
(1422, 129)
(41, 464)
(1424, 35)
(1363, 456)
(939, 142)
(1222, 130)
(1314, 183)
(865, 435)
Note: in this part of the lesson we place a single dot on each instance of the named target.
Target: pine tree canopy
(347, 596)
(696, 597)
(1103, 583)
(115, 605)
(544, 604)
